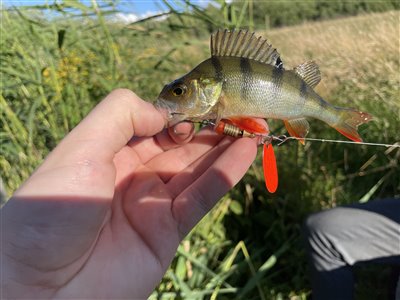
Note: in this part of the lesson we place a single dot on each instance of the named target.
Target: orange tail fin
(349, 122)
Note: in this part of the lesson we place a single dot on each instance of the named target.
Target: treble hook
(268, 139)
(281, 139)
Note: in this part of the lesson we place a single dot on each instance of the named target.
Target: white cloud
(130, 17)
(126, 18)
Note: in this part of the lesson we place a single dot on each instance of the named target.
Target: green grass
(249, 246)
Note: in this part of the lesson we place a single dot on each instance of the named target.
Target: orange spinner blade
(270, 169)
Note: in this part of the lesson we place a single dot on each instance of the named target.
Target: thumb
(83, 160)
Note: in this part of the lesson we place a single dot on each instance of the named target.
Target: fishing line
(267, 139)
(283, 139)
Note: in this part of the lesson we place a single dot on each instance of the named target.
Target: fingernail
(183, 128)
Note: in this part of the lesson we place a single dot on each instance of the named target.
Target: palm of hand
(148, 216)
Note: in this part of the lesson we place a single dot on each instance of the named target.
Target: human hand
(103, 215)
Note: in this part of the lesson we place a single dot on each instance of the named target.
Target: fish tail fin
(349, 121)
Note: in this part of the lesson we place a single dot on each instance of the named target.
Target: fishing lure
(240, 128)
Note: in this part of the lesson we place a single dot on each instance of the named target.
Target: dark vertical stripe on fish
(303, 97)
(303, 91)
(277, 75)
(218, 68)
(247, 77)
(323, 105)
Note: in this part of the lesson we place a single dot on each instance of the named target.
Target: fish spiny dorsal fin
(309, 72)
(244, 44)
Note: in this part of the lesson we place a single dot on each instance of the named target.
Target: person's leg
(341, 237)
(398, 290)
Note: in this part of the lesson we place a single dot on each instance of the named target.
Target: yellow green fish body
(245, 77)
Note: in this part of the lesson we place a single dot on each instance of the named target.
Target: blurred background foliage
(59, 59)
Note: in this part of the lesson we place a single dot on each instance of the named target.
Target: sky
(130, 10)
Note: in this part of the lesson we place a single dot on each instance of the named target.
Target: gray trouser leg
(341, 237)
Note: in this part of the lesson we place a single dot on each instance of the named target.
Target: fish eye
(179, 90)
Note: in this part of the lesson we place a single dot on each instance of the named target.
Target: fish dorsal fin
(244, 44)
(309, 72)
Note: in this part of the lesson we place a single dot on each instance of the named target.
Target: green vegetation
(270, 14)
(281, 13)
(54, 71)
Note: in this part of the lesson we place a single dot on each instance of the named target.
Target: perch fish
(245, 80)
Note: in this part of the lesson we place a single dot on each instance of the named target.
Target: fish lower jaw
(168, 112)
(174, 118)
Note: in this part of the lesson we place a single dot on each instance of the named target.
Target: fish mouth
(176, 118)
(168, 110)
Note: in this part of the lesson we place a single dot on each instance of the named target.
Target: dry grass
(354, 49)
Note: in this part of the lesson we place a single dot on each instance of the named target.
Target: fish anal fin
(350, 134)
(252, 125)
(270, 169)
(298, 128)
(309, 72)
(244, 44)
(349, 121)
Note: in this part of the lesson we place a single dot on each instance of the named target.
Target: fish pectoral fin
(252, 125)
(220, 108)
(298, 128)
(309, 72)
